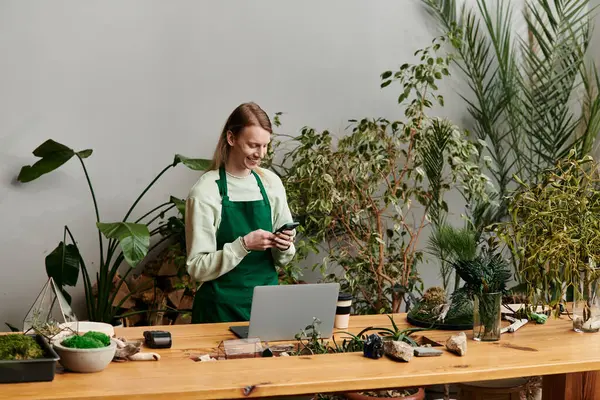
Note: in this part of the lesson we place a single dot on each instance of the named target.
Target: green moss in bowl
(89, 340)
(19, 347)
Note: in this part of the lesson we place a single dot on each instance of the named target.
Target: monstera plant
(119, 241)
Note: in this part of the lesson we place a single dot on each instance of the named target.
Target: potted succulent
(89, 352)
(553, 232)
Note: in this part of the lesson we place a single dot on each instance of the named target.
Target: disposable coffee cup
(342, 312)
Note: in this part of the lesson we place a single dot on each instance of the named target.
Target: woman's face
(249, 147)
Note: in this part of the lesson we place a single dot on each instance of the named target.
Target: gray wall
(139, 81)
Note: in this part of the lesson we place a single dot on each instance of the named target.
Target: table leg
(577, 386)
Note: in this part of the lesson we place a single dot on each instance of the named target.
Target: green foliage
(314, 343)
(553, 231)
(16, 346)
(450, 244)
(356, 194)
(99, 336)
(461, 309)
(52, 155)
(488, 272)
(522, 92)
(310, 340)
(133, 239)
(89, 340)
(397, 334)
(486, 277)
(62, 264)
(457, 310)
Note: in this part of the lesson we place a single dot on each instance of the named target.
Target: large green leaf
(197, 164)
(62, 265)
(134, 239)
(52, 155)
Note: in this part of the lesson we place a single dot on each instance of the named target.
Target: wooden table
(563, 356)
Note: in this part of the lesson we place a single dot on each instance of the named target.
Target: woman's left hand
(284, 240)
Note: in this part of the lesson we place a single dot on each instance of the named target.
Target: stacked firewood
(162, 294)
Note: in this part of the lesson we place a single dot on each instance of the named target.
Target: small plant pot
(85, 360)
(419, 395)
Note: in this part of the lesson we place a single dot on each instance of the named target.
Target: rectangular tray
(38, 370)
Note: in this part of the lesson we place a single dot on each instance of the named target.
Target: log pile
(162, 294)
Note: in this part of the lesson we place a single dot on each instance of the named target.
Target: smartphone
(288, 227)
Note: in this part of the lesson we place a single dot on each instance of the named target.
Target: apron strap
(222, 183)
(262, 188)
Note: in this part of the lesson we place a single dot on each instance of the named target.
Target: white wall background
(141, 80)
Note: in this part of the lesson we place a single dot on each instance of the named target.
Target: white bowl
(85, 360)
(86, 326)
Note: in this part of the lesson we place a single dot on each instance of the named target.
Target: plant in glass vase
(486, 277)
(553, 232)
(367, 196)
(128, 241)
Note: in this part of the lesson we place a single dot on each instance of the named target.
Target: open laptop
(279, 312)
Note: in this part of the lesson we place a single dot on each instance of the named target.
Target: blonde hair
(244, 115)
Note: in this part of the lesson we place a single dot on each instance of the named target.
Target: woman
(231, 214)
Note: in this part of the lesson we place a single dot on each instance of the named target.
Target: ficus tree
(368, 195)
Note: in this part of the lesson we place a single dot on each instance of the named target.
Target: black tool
(157, 339)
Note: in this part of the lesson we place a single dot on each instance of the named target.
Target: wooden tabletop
(551, 348)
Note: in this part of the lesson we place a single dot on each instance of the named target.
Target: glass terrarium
(49, 313)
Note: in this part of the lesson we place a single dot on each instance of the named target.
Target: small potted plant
(90, 352)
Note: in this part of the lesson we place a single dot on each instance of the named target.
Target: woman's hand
(259, 240)
(284, 240)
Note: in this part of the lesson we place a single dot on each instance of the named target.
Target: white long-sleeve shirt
(203, 216)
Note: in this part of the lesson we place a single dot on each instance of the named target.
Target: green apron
(229, 297)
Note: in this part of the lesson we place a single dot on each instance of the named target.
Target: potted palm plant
(526, 64)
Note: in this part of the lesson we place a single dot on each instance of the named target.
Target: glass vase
(487, 317)
(586, 307)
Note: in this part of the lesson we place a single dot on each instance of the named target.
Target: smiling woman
(231, 214)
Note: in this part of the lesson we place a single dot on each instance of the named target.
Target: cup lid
(344, 296)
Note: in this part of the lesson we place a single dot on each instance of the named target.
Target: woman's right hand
(259, 240)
